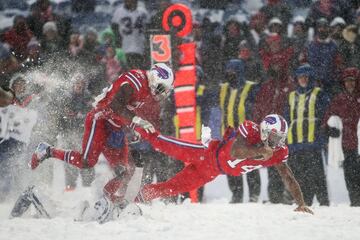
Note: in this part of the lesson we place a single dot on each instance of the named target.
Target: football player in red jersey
(106, 125)
(242, 150)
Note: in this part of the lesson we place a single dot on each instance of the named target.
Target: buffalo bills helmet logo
(162, 73)
(270, 120)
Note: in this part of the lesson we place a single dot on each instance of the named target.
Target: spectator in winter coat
(346, 105)
(76, 44)
(11, 148)
(113, 67)
(212, 54)
(18, 37)
(235, 32)
(271, 98)
(350, 47)
(324, 57)
(336, 28)
(8, 65)
(41, 13)
(257, 26)
(236, 100)
(279, 9)
(276, 49)
(299, 37)
(52, 45)
(304, 111)
(327, 9)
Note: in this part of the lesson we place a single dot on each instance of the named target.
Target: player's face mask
(274, 139)
(159, 92)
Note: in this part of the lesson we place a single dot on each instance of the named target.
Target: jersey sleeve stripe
(135, 79)
(243, 127)
(243, 131)
(181, 143)
(285, 158)
(136, 86)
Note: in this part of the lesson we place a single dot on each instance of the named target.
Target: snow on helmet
(161, 80)
(273, 130)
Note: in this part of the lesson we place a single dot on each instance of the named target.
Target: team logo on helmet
(162, 73)
(270, 120)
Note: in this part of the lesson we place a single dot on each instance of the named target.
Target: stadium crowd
(300, 59)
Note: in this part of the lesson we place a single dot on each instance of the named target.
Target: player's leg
(188, 179)
(123, 169)
(320, 185)
(93, 140)
(181, 150)
(253, 179)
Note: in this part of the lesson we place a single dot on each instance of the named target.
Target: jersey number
(129, 26)
(245, 168)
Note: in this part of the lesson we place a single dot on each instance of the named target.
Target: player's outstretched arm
(121, 100)
(242, 150)
(293, 186)
(119, 106)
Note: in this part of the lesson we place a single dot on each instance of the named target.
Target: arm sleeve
(120, 102)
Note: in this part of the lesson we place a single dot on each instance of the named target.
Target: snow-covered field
(216, 219)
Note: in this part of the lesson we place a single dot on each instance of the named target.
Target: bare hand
(304, 209)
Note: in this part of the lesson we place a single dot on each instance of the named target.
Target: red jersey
(250, 131)
(138, 81)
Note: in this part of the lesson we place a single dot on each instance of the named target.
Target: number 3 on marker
(161, 51)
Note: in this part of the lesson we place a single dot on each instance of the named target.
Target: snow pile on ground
(216, 219)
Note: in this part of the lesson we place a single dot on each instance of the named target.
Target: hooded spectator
(304, 111)
(323, 55)
(18, 37)
(237, 96)
(350, 47)
(346, 105)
